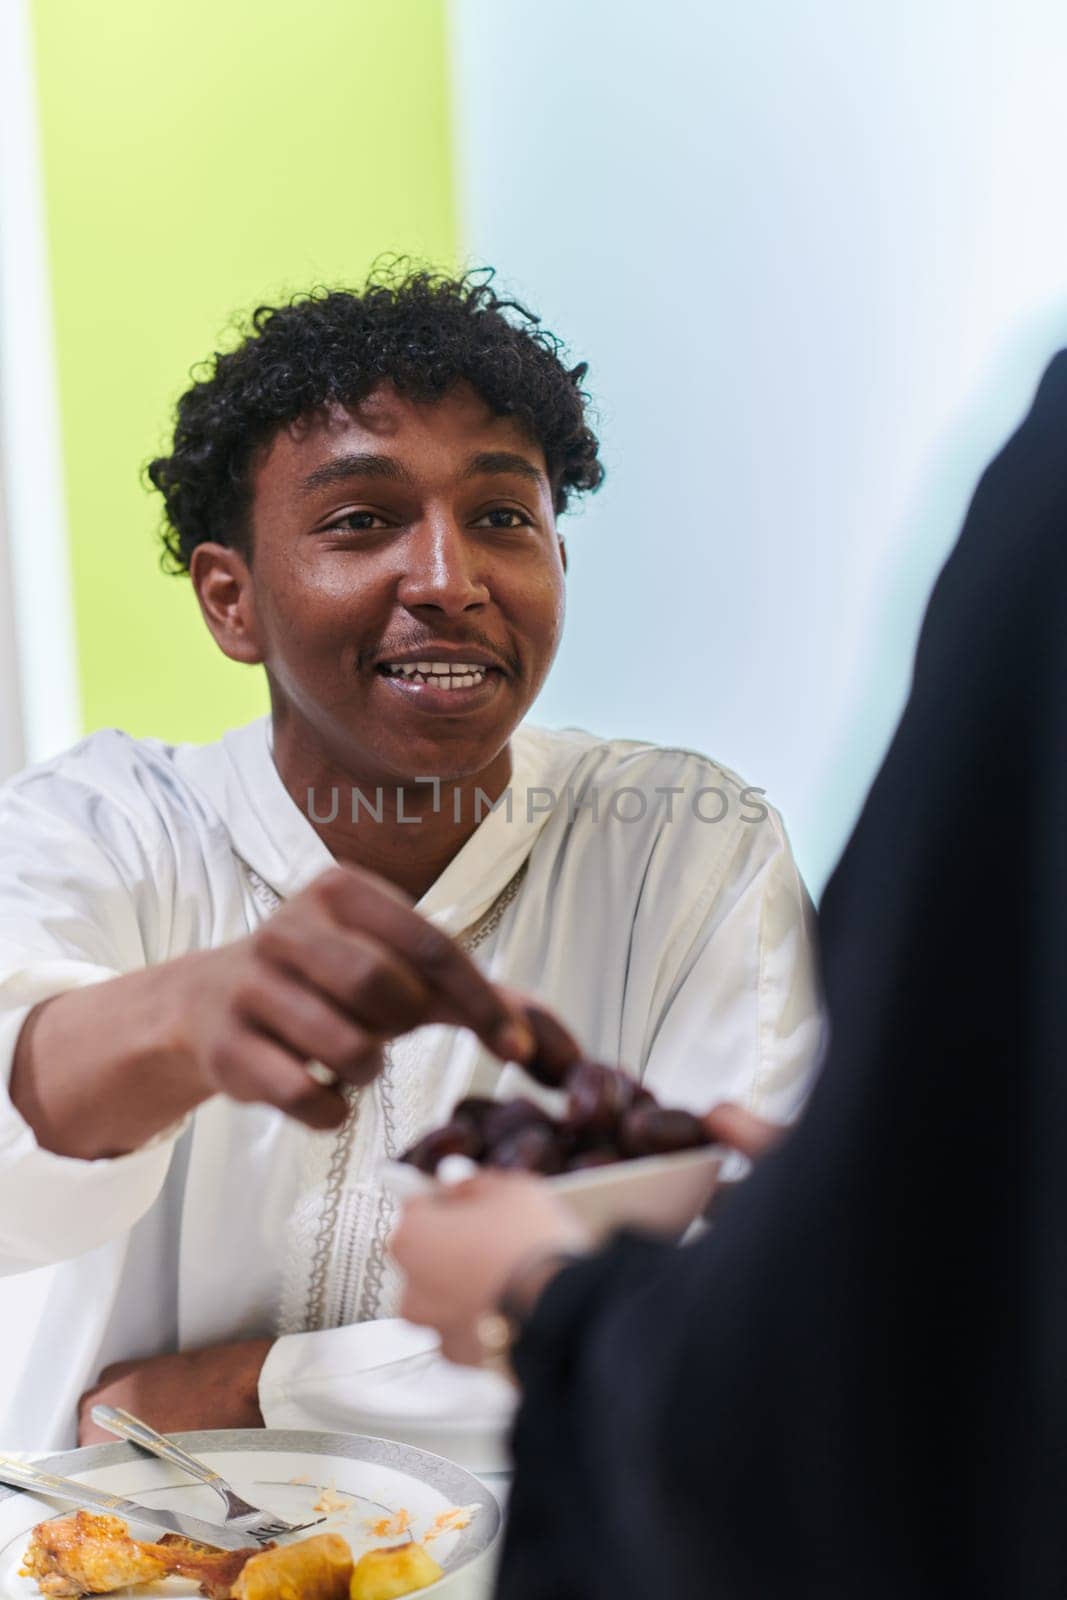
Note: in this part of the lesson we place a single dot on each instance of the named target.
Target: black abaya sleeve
(856, 1384)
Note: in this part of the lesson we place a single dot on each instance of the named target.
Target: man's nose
(442, 569)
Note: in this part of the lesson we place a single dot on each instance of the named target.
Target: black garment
(856, 1384)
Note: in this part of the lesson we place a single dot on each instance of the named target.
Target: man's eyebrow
(359, 465)
(497, 462)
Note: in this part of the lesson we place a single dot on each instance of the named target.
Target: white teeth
(461, 675)
(464, 675)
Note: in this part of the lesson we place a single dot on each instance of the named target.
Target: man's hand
(338, 970)
(213, 1388)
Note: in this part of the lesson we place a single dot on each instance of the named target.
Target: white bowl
(663, 1194)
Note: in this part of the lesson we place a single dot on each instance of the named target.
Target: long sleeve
(388, 1377)
(69, 916)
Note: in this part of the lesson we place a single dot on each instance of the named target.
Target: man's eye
(359, 522)
(502, 517)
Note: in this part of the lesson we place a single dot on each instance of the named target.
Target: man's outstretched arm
(337, 971)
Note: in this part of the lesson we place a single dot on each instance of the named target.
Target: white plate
(662, 1193)
(285, 1472)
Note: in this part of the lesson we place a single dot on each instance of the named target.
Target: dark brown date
(598, 1096)
(556, 1048)
(456, 1138)
(475, 1109)
(510, 1116)
(651, 1130)
(610, 1117)
(535, 1148)
(474, 1113)
(453, 1139)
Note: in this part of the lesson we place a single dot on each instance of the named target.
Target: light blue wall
(815, 253)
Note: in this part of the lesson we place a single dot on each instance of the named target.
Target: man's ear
(223, 585)
(562, 550)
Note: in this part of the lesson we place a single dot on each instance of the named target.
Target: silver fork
(251, 1520)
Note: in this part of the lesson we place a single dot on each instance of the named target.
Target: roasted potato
(319, 1568)
(397, 1570)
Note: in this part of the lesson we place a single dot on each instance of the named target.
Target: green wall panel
(200, 157)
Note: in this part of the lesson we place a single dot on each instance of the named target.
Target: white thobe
(677, 942)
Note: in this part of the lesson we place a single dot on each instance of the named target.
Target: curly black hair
(420, 330)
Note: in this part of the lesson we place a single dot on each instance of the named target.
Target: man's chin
(455, 760)
(447, 769)
(420, 739)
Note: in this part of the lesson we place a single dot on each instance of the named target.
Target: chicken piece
(397, 1570)
(87, 1553)
(314, 1569)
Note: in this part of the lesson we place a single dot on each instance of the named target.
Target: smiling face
(405, 587)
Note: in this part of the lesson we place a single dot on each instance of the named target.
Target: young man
(365, 495)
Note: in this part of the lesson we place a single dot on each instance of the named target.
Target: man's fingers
(362, 976)
(468, 996)
(311, 1027)
(732, 1125)
(255, 1068)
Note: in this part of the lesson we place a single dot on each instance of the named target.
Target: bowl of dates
(616, 1156)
